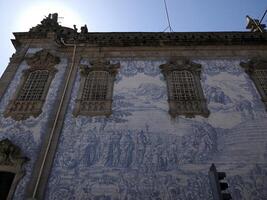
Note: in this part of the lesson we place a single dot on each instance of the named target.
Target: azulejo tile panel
(139, 152)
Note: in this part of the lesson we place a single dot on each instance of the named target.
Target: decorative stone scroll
(256, 68)
(185, 95)
(11, 162)
(96, 88)
(31, 93)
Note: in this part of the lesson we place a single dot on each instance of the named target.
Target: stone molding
(250, 68)
(190, 108)
(148, 39)
(96, 107)
(49, 28)
(12, 160)
(21, 110)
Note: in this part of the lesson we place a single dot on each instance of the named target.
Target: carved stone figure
(84, 29)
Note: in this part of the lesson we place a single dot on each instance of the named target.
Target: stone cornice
(147, 39)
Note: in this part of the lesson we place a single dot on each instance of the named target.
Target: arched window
(96, 89)
(31, 93)
(257, 70)
(11, 168)
(185, 95)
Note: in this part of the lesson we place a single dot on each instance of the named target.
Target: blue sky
(126, 15)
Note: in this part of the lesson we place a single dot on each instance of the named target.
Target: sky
(126, 16)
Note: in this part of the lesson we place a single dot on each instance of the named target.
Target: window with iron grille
(185, 95)
(256, 68)
(96, 86)
(96, 89)
(261, 76)
(34, 85)
(32, 90)
(182, 86)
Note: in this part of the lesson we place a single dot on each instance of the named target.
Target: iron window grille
(256, 68)
(185, 95)
(34, 85)
(96, 89)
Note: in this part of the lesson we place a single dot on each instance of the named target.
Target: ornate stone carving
(10, 154)
(50, 25)
(102, 102)
(51, 21)
(100, 64)
(256, 68)
(42, 60)
(11, 161)
(254, 64)
(185, 98)
(181, 64)
(21, 107)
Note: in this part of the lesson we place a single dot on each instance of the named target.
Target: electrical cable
(168, 18)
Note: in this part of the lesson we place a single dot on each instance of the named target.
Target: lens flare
(33, 15)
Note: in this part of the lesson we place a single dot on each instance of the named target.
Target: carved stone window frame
(83, 107)
(12, 160)
(23, 109)
(250, 68)
(187, 108)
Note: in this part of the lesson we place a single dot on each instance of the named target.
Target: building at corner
(133, 115)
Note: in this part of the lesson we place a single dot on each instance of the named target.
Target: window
(261, 76)
(96, 89)
(182, 86)
(6, 179)
(11, 168)
(96, 86)
(34, 86)
(185, 95)
(257, 70)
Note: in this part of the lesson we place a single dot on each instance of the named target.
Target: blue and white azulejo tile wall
(140, 152)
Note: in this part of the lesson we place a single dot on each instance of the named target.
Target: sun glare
(36, 12)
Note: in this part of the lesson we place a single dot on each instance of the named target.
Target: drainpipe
(57, 116)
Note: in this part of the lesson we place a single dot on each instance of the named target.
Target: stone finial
(84, 29)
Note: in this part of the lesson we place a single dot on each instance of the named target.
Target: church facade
(125, 116)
